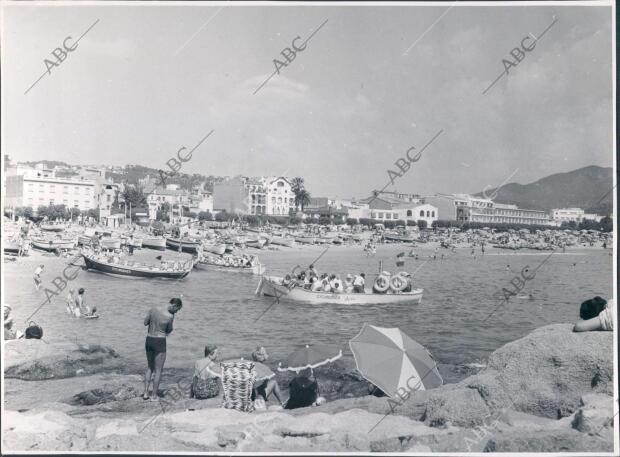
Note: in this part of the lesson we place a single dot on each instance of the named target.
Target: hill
(589, 188)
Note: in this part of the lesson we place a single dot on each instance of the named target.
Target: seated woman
(304, 391)
(205, 382)
(597, 314)
(265, 387)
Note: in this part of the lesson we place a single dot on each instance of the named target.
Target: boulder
(519, 440)
(105, 394)
(595, 414)
(33, 360)
(545, 374)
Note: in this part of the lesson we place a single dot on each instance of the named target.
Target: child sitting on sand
(597, 314)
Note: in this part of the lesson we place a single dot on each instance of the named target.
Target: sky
(373, 82)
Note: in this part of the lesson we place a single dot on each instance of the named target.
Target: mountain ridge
(589, 188)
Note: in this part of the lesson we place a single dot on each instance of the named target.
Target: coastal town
(309, 228)
(104, 195)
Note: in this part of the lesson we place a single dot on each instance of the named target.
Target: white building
(40, 187)
(105, 198)
(254, 195)
(386, 206)
(567, 214)
(573, 215)
(172, 195)
(484, 210)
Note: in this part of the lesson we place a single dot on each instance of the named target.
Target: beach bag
(34, 331)
(205, 388)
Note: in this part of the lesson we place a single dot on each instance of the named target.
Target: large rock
(33, 360)
(545, 374)
(595, 415)
(519, 440)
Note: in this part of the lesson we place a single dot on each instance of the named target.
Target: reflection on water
(221, 307)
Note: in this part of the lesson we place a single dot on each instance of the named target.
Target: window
(421, 213)
(75, 203)
(76, 189)
(373, 215)
(428, 214)
(279, 199)
(408, 213)
(273, 200)
(433, 213)
(52, 188)
(380, 215)
(66, 189)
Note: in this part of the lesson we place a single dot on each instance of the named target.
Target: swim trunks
(155, 345)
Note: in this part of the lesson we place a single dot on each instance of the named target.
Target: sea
(460, 319)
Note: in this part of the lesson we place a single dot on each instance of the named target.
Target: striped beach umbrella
(310, 356)
(392, 361)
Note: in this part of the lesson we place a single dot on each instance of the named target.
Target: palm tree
(297, 187)
(302, 198)
(297, 184)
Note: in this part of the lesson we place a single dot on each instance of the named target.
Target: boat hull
(110, 243)
(46, 246)
(255, 269)
(158, 244)
(282, 241)
(125, 271)
(52, 228)
(186, 246)
(271, 289)
(218, 249)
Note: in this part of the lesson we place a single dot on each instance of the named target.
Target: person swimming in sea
(37, 276)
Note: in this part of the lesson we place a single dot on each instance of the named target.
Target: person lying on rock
(304, 391)
(597, 314)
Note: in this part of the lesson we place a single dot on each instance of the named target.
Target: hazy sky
(147, 80)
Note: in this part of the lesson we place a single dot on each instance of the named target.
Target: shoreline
(441, 419)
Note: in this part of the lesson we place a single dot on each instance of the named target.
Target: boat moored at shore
(116, 267)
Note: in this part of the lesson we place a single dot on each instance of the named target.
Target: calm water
(221, 307)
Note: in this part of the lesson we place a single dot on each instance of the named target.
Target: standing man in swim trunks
(159, 322)
(37, 276)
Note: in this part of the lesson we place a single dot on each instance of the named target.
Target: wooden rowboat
(282, 241)
(187, 244)
(272, 287)
(215, 248)
(134, 269)
(53, 244)
(52, 227)
(154, 242)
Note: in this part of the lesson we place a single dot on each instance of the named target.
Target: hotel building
(484, 210)
(259, 195)
(40, 187)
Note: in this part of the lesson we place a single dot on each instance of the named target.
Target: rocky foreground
(550, 391)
